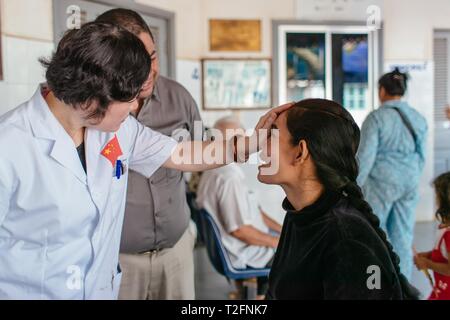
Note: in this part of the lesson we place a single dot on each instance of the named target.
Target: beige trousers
(164, 275)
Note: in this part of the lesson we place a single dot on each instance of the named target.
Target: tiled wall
(22, 71)
(27, 35)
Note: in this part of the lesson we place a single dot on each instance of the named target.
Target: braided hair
(394, 83)
(333, 139)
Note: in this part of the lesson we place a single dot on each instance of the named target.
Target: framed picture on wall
(236, 84)
(234, 35)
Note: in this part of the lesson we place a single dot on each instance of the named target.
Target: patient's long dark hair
(333, 139)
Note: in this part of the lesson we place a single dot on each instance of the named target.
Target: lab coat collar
(43, 122)
(45, 126)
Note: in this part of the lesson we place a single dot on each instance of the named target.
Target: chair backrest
(195, 212)
(213, 242)
(218, 255)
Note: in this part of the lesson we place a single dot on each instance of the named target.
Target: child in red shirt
(437, 260)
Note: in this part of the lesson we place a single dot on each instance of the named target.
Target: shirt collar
(155, 95)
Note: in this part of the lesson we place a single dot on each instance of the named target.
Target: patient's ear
(302, 152)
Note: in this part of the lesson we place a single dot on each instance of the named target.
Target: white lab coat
(60, 228)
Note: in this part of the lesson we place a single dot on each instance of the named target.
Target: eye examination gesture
(205, 155)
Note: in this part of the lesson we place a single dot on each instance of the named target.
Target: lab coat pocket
(120, 176)
(118, 190)
(116, 284)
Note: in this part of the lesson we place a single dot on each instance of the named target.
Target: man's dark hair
(127, 19)
(100, 62)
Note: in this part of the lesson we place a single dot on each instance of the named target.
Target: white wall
(26, 36)
(409, 27)
(192, 21)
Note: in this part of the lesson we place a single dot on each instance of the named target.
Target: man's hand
(447, 111)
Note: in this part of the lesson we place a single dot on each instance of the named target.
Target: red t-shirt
(441, 290)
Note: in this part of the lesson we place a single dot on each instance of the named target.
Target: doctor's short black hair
(98, 63)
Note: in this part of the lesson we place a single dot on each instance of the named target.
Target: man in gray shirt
(157, 238)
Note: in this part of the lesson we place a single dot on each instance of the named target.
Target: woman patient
(331, 245)
(244, 226)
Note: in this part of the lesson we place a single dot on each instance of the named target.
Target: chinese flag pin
(112, 150)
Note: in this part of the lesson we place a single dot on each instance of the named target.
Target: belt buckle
(150, 252)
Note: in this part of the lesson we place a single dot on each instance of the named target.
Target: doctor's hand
(245, 146)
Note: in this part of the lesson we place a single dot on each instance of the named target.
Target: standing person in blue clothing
(391, 157)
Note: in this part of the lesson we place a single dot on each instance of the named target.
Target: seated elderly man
(244, 227)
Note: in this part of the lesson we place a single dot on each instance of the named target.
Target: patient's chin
(265, 176)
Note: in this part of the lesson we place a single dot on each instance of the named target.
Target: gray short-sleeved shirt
(157, 213)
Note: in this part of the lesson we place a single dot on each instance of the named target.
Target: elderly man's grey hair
(222, 122)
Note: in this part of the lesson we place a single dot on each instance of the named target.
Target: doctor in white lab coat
(64, 160)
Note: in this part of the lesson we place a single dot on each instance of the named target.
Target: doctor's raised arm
(191, 156)
(213, 154)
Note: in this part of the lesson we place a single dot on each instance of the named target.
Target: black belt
(150, 251)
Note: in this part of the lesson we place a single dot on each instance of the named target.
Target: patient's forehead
(280, 122)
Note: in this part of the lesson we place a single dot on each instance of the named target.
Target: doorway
(441, 56)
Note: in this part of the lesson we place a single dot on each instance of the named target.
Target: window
(332, 62)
